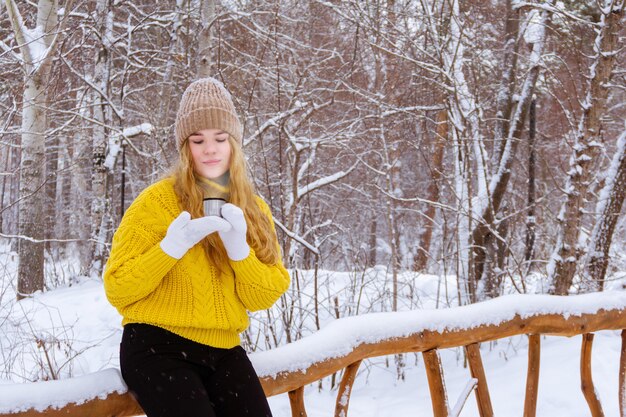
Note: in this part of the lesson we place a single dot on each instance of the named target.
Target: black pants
(171, 376)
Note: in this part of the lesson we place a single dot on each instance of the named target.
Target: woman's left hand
(234, 240)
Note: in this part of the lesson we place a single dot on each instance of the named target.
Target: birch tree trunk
(166, 104)
(80, 186)
(101, 204)
(608, 210)
(32, 220)
(9, 157)
(205, 40)
(464, 123)
(37, 47)
(389, 152)
(564, 259)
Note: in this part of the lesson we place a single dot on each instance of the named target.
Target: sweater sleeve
(260, 285)
(137, 264)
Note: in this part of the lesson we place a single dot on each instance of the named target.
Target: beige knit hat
(206, 104)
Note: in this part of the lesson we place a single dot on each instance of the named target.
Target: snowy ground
(78, 323)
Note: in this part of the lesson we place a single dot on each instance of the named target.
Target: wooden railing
(347, 342)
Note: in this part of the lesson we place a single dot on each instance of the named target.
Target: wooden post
(532, 376)
(622, 377)
(345, 389)
(436, 384)
(477, 370)
(296, 400)
(586, 381)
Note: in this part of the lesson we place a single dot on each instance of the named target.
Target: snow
(93, 322)
(343, 335)
(36, 44)
(534, 30)
(145, 128)
(320, 182)
(605, 195)
(81, 318)
(56, 394)
(611, 174)
(115, 142)
(471, 385)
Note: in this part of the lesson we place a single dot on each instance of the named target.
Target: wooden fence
(424, 331)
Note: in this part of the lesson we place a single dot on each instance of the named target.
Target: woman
(183, 281)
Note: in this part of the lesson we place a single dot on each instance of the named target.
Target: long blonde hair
(261, 235)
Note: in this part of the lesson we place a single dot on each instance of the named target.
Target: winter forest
(480, 139)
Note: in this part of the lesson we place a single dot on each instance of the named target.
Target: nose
(209, 147)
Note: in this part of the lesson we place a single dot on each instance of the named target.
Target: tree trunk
(504, 107)
(205, 40)
(80, 189)
(101, 202)
(481, 234)
(608, 210)
(504, 103)
(166, 103)
(532, 165)
(32, 221)
(9, 157)
(464, 116)
(566, 253)
(421, 257)
(51, 176)
(371, 250)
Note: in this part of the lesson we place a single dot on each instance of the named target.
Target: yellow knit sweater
(188, 297)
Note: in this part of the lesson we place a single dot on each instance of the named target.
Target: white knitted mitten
(183, 233)
(235, 239)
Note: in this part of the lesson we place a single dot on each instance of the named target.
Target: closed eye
(195, 138)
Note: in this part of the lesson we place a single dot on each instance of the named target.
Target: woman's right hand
(183, 233)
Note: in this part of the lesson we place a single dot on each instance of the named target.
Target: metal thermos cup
(213, 206)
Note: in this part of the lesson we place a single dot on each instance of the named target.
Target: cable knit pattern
(189, 296)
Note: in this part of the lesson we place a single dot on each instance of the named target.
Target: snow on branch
(553, 9)
(437, 204)
(274, 121)
(296, 237)
(115, 141)
(38, 44)
(611, 174)
(19, 29)
(321, 182)
(519, 115)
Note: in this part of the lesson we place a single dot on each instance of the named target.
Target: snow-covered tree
(608, 209)
(588, 142)
(37, 46)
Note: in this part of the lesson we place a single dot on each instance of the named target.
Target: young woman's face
(210, 150)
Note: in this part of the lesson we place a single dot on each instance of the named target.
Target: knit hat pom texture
(206, 104)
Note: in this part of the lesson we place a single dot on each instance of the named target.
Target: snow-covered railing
(345, 343)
